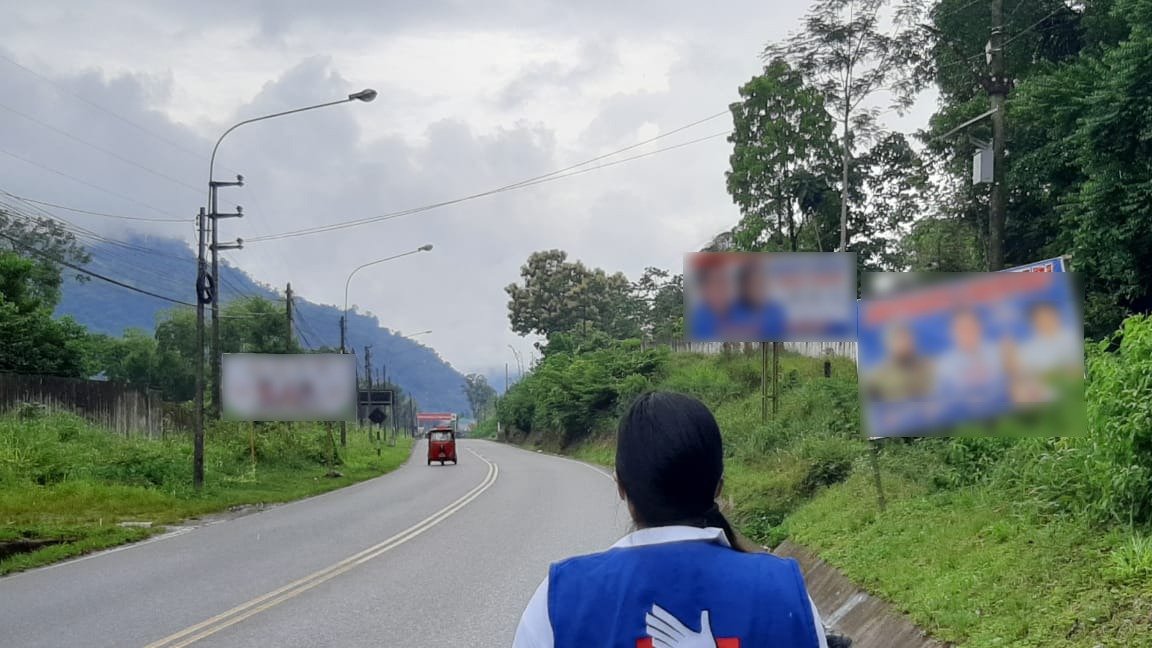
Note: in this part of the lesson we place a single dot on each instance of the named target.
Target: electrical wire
(94, 275)
(89, 212)
(107, 111)
(97, 147)
(83, 182)
(530, 182)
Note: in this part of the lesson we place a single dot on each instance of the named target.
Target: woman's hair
(669, 462)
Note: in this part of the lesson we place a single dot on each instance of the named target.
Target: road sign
(375, 397)
(377, 416)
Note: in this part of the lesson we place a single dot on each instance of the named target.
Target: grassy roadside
(66, 482)
(984, 543)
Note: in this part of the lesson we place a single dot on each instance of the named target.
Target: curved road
(422, 557)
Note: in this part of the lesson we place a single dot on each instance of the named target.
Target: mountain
(168, 267)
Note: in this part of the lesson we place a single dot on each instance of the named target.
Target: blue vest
(753, 600)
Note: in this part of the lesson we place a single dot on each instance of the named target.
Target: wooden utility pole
(288, 301)
(368, 365)
(997, 94)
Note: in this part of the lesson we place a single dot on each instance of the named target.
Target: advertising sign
(770, 296)
(1051, 265)
(288, 387)
(937, 355)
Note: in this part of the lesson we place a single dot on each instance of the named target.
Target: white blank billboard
(288, 387)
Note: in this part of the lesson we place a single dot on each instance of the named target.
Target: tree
(894, 184)
(1113, 231)
(844, 53)
(481, 396)
(45, 243)
(560, 296)
(255, 325)
(661, 296)
(31, 341)
(782, 163)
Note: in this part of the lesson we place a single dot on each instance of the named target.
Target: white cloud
(471, 97)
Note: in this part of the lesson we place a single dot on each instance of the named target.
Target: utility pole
(344, 424)
(368, 365)
(505, 378)
(214, 216)
(288, 300)
(997, 93)
(204, 294)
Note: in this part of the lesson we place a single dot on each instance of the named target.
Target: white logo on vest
(666, 631)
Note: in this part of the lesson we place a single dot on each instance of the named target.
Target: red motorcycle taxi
(442, 445)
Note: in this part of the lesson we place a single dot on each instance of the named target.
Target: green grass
(978, 568)
(985, 542)
(63, 479)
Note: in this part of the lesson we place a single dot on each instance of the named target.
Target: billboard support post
(875, 443)
(775, 378)
(763, 382)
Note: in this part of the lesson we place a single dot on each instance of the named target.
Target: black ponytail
(670, 460)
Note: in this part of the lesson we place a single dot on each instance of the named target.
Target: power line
(91, 273)
(102, 109)
(77, 210)
(99, 148)
(1034, 25)
(83, 182)
(548, 177)
(81, 233)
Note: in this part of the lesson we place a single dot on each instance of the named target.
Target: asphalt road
(422, 557)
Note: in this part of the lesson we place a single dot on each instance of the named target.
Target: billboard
(941, 352)
(770, 296)
(288, 387)
(1051, 265)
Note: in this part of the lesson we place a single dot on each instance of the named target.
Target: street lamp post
(207, 285)
(519, 363)
(344, 318)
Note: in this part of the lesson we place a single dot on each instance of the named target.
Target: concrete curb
(869, 621)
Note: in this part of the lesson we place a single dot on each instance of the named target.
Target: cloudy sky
(115, 108)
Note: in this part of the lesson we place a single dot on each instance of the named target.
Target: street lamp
(344, 318)
(207, 285)
(414, 334)
(519, 363)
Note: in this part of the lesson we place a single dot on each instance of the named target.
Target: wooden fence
(115, 406)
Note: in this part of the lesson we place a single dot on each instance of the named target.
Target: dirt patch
(9, 548)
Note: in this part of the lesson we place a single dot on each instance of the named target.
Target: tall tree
(660, 296)
(782, 163)
(45, 242)
(481, 396)
(847, 53)
(894, 185)
(31, 341)
(558, 296)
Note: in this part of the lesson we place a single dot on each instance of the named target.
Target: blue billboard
(770, 296)
(975, 347)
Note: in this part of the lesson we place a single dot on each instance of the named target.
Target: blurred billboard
(288, 387)
(770, 296)
(990, 353)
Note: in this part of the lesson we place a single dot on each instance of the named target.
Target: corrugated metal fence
(118, 407)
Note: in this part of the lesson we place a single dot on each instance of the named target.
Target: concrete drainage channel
(869, 621)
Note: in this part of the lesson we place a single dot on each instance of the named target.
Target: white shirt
(535, 630)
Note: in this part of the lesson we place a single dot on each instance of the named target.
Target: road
(421, 557)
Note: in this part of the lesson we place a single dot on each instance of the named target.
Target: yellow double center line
(259, 604)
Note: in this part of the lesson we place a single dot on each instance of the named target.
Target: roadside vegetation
(983, 542)
(70, 488)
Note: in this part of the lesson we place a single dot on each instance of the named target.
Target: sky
(115, 109)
